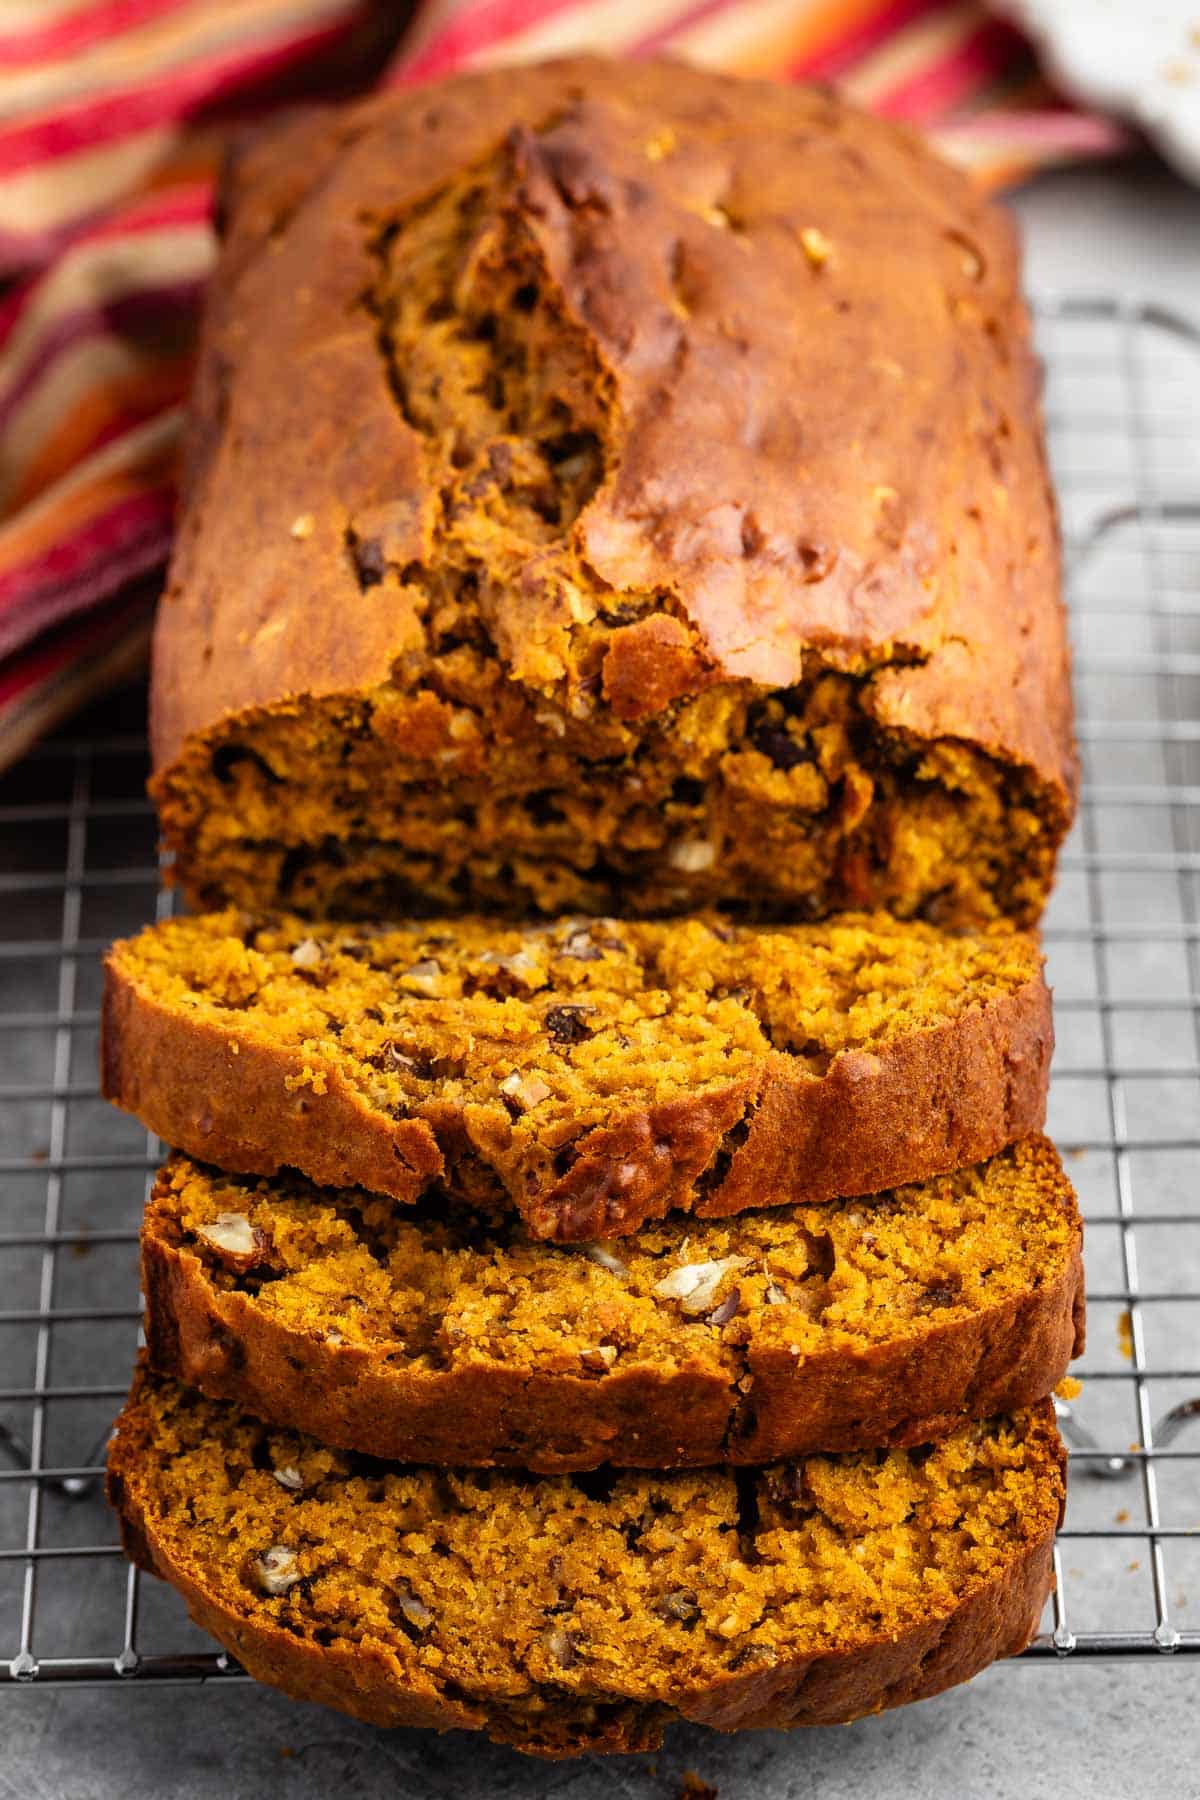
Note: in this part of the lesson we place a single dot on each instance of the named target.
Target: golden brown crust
(996, 1617)
(934, 1101)
(771, 1403)
(223, 1099)
(848, 467)
(931, 1102)
(757, 142)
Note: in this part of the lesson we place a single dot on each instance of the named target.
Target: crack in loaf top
(789, 348)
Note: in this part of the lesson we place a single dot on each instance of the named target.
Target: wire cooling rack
(77, 866)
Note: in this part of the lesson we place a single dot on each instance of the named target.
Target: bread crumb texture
(535, 1605)
(693, 543)
(813, 1328)
(591, 1073)
(460, 1288)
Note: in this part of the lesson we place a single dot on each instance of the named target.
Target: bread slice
(435, 1339)
(590, 1075)
(562, 1614)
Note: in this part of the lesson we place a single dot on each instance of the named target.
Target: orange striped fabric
(111, 117)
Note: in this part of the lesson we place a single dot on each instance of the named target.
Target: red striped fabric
(161, 99)
(111, 118)
(77, 30)
(866, 36)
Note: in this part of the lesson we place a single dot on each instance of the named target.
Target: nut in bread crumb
(728, 1309)
(604, 1259)
(695, 1285)
(522, 965)
(578, 945)
(525, 1091)
(423, 977)
(562, 1646)
(231, 1232)
(307, 954)
(276, 1570)
(692, 855)
(414, 1610)
(680, 1606)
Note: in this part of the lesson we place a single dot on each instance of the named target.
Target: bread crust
(305, 193)
(911, 1389)
(928, 1103)
(996, 1618)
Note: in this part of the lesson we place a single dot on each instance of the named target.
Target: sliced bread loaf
(562, 1614)
(590, 1075)
(443, 1339)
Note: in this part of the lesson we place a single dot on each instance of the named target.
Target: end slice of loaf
(564, 1614)
(589, 1075)
(693, 543)
(443, 1339)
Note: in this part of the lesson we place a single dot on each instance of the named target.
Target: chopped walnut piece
(579, 946)
(423, 977)
(414, 1610)
(562, 1646)
(521, 963)
(307, 954)
(680, 1606)
(695, 1285)
(231, 1233)
(525, 1091)
(728, 1309)
(692, 855)
(604, 1259)
(276, 1570)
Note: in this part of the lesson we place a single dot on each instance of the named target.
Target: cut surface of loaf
(589, 1075)
(563, 1614)
(449, 1340)
(693, 543)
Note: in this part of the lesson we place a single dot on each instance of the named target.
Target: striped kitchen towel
(111, 118)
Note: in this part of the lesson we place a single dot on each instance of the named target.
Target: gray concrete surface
(1027, 1730)
(1018, 1731)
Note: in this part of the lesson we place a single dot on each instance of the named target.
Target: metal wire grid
(77, 866)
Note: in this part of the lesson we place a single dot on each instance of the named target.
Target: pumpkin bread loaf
(613, 487)
(589, 1075)
(448, 1339)
(562, 1613)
